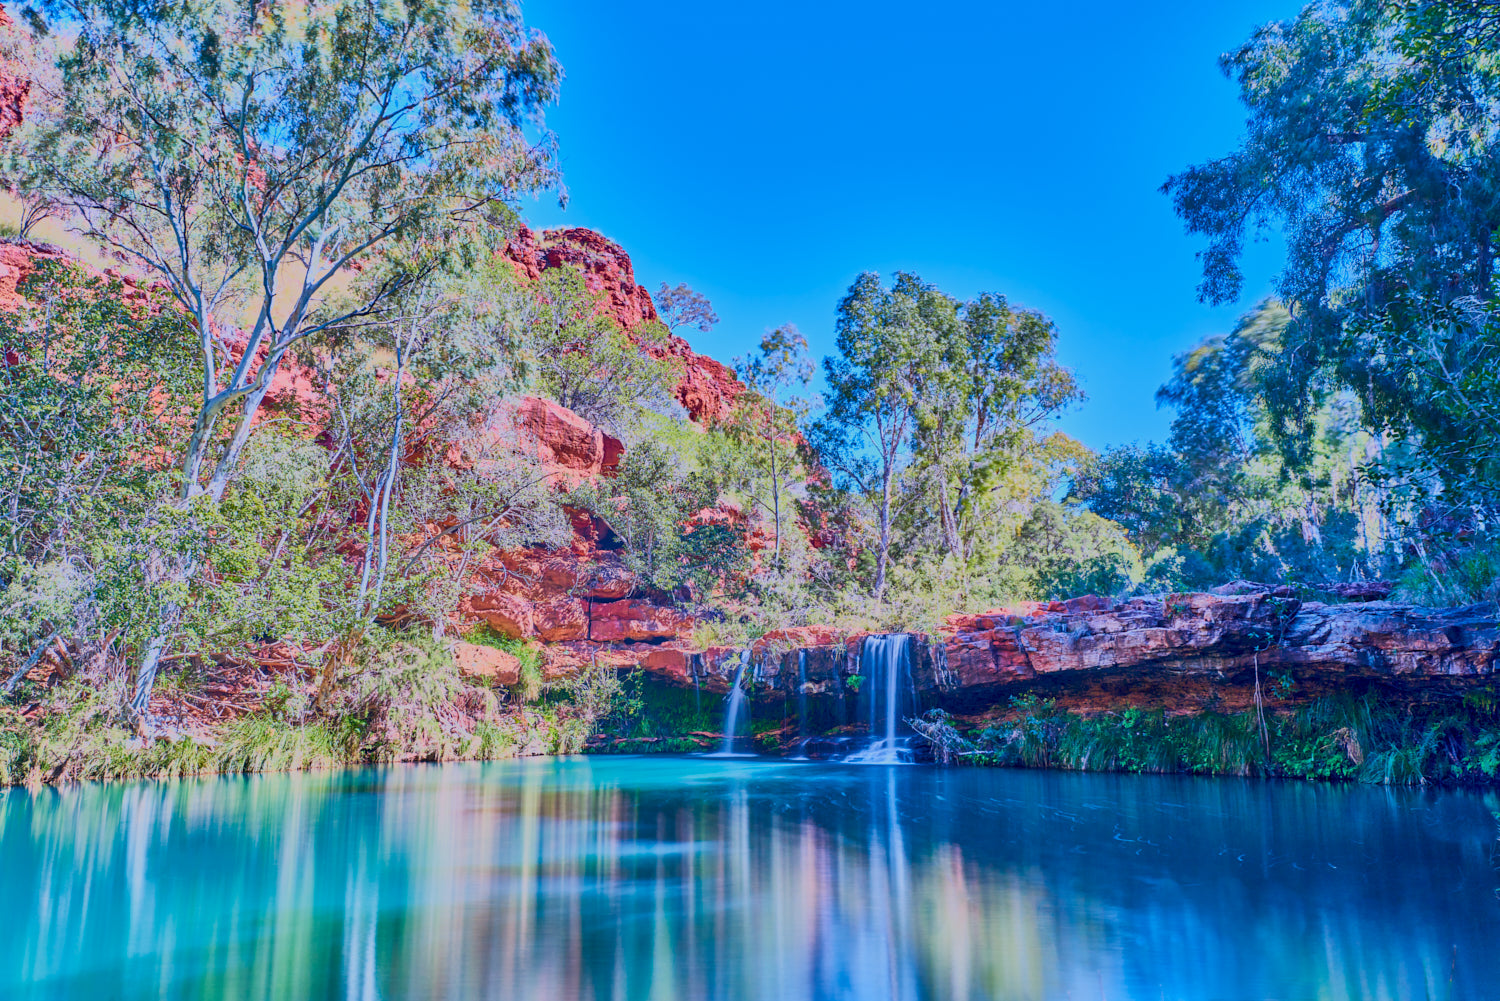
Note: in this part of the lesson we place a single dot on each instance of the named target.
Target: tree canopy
(1371, 146)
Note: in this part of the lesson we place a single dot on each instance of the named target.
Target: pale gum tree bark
(187, 142)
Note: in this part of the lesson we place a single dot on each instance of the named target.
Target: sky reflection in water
(625, 878)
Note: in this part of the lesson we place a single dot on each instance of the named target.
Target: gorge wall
(581, 605)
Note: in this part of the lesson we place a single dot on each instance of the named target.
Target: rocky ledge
(1232, 635)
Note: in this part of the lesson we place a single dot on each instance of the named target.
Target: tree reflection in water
(617, 878)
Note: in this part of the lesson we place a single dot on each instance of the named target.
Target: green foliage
(266, 742)
(936, 426)
(400, 699)
(1067, 552)
(768, 418)
(581, 358)
(92, 387)
(648, 505)
(1221, 500)
(285, 144)
(888, 341)
(1371, 145)
(529, 686)
(1370, 738)
(650, 709)
(1463, 572)
(981, 412)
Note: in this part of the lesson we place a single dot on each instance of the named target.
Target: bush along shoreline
(411, 704)
(1373, 737)
(400, 700)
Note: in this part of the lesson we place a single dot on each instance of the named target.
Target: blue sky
(766, 154)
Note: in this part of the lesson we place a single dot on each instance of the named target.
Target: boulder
(507, 614)
(476, 660)
(630, 620)
(561, 440)
(559, 620)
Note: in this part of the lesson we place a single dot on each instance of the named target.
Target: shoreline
(1036, 737)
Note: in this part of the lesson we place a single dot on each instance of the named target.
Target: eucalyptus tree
(683, 307)
(249, 157)
(1373, 145)
(579, 356)
(89, 385)
(774, 412)
(1218, 499)
(418, 443)
(889, 343)
(982, 409)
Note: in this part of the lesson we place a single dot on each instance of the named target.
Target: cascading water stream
(802, 730)
(733, 708)
(885, 664)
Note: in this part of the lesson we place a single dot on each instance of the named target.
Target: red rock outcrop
(560, 439)
(478, 661)
(560, 619)
(631, 621)
(1227, 638)
(15, 86)
(565, 596)
(1224, 635)
(605, 265)
(18, 261)
(706, 388)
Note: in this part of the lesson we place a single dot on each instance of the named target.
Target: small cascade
(732, 710)
(885, 664)
(802, 729)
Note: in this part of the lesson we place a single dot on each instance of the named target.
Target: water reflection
(682, 878)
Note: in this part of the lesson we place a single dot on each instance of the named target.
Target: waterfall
(885, 664)
(802, 693)
(733, 708)
(802, 732)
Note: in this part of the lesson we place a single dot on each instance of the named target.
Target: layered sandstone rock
(562, 440)
(1228, 638)
(629, 621)
(1225, 636)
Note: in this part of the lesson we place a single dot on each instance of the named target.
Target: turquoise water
(625, 878)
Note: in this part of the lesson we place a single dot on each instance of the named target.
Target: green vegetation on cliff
(296, 438)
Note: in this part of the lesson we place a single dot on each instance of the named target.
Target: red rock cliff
(14, 86)
(706, 388)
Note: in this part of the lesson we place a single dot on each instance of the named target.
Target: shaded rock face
(631, 621)
(1227, 639)
(1225, 636)
(706, 388)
